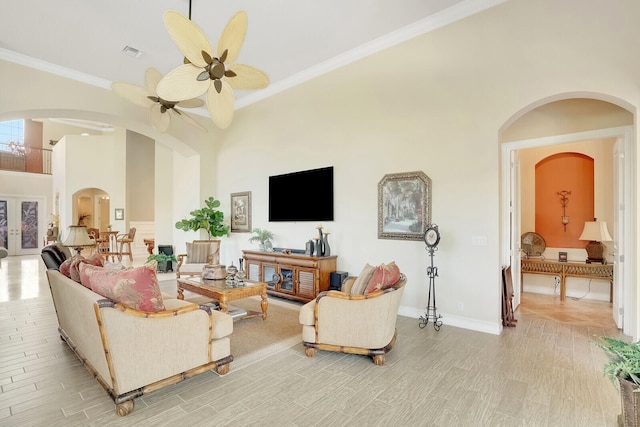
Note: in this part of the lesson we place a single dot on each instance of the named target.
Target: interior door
(514, 220)
(22, 224)
(618, 233)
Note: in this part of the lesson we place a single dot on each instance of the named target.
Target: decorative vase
(326, 249)
(232, 270)
(207, 271)
(309, 248)
(240, 262)
(318, 245)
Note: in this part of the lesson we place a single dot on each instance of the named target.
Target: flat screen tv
(302, 196)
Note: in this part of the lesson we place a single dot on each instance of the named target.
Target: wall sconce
(564, 201)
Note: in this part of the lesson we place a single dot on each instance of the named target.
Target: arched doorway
(91, 208)
(573, 120)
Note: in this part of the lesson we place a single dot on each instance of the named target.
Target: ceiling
(290, 40)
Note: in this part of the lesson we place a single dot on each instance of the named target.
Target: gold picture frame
(118, 214)
(404, 206)
(241, 212)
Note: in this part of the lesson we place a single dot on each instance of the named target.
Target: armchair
(357, 324)
(199, 253)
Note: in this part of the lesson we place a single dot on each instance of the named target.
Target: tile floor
(540, 373)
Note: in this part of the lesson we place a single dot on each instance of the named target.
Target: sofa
(132, 352)
(358, 319)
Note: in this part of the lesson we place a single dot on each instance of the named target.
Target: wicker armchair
(199, 253)
(357, 324)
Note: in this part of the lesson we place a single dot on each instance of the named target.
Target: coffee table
(223, 293)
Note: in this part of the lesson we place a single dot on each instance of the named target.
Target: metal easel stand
(432, 311)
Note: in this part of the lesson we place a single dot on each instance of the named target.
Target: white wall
(436, 103)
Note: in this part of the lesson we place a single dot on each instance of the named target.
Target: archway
(570, 119)
(91, 208)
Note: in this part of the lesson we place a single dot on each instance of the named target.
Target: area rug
(254, 339)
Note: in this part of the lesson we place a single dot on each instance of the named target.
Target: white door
(618, 233)
(22, 224)
(514, 213)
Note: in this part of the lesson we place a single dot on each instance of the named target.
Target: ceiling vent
(132, 51)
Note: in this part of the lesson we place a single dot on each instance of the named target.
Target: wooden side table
(567, 269)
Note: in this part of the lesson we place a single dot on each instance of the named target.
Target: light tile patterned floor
(541, 373)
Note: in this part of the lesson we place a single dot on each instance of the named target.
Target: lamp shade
(78, 237)
(595, 231)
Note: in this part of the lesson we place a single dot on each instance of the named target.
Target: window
(12, 135)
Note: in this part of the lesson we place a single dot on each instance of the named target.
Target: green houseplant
(208, 218)
(261, 236)
(162, 259)
(623, 369)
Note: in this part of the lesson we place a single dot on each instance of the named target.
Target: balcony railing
(25, 159)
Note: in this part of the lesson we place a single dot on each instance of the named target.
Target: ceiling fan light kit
(205, 73)
(202, 73)
(160, 110)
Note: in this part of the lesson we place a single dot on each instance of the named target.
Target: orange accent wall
(564, 171)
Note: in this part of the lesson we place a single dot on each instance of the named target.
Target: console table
(293, 276)
(567, 269)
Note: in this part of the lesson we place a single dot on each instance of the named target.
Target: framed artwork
(241, 212)
(404, 206)
(119, 214)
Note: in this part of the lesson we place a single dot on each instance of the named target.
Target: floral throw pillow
(384, 276)
(65, 267)
(136, 288)
(74, 269)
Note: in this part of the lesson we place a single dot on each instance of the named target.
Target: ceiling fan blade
(181, 83)
(247, 77)
(220, 105)
(159, 120)
(188, 37)
(191, 103)
(232, 37)
(151, 79)
(187, 118)
(132, 93)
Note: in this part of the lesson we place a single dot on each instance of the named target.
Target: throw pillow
(65, 267)
(360, 285)
(198, 253)
(136, 287)
(74, 270)
(348, 284)
(384, 276)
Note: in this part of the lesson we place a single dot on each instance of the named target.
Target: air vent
(132, 51)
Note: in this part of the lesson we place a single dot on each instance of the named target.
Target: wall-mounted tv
(302, 196)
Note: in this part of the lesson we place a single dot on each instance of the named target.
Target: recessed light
(132, 51)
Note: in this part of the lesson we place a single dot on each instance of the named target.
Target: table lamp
(596, 232)
(78, 238)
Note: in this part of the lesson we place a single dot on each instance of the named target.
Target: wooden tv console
(294, 276)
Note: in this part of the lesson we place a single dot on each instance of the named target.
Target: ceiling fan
(160, 110)
(207, 72)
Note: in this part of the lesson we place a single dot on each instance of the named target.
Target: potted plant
(208, 218)
(162, 259)
(623, 369)
(261, 236)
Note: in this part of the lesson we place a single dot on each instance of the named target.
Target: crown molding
(48, 67)
(431, 23)
(426, 25)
